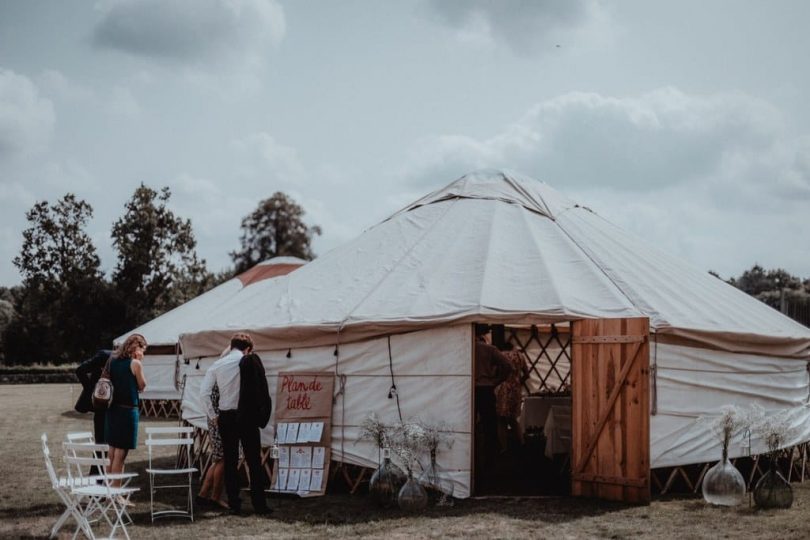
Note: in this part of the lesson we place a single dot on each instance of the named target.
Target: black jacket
(255, 404)
(88, 374)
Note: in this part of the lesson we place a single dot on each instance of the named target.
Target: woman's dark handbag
(103, 392)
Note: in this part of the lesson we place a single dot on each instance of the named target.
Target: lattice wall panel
(547, 353)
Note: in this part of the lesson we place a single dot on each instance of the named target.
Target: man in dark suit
(88, 374)
(244, 407)
(253, 413)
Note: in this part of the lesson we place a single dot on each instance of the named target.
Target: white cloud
(54, 83)
(636, 143)
(259, 157)
(192, 31)
(261, 166)
(26, 119)
(525, 26)
(123, 103)
(711, 177)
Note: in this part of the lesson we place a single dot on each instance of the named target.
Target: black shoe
(266, 511)
(235, 512)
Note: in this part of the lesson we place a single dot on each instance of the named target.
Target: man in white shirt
(225, 374)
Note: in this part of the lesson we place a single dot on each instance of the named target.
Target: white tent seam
(404, 256)
(597, 265)
(532, 234)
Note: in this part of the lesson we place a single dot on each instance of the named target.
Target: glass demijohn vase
(412, 497)
(437, 483)
(772, 490)
(386, 482)
(723, 484)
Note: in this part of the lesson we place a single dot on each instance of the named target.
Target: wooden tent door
(610, 435)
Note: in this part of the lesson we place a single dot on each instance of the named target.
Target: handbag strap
(106, 371)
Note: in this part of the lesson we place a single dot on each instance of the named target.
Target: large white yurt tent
(395, 306)
(163, 368)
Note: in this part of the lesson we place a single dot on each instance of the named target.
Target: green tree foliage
(56, 251)
(157, 266)
(771, 286)
(779, 289)
(7, 313)
(275, 229)
(55, 317)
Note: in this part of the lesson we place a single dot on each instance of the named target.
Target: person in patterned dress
(211, 490)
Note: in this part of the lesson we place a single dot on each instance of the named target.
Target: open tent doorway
(583, 426)
(532, 455)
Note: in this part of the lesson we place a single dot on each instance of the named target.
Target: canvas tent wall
(499, 247)
(163, 366)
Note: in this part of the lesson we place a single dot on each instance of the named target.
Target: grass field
(28, 508)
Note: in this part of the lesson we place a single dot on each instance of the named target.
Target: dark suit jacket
(255, 404)
(88, 374)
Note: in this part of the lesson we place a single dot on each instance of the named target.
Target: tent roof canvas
(495, 246)
(198, 313)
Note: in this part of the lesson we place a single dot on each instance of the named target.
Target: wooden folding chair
(183, 438)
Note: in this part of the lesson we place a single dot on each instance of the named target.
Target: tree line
(66, 307)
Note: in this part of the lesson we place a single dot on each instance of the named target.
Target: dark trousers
(486, 436)
(233, 432)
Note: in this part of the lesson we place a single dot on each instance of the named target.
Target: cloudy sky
(685, 122)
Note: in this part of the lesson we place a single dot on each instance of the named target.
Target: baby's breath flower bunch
(732, 419)
(375, 430)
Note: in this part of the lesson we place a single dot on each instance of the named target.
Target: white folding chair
(80, 437)
(96, 496)
(63, 487)
(86, 438)
(170, 436)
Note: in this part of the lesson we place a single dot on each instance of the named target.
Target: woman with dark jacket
(126, 375)
(88, 374)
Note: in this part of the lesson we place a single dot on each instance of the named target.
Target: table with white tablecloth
(535, 410)
(557, 429)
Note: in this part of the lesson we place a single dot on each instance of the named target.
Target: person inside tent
(491, 369)
(508, 397)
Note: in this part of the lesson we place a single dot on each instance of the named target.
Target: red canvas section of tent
(261, 272)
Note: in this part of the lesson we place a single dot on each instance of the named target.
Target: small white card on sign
(303, 432)
(317, 480)
(318, 454)
(301, 457)
(306, 478)
(281, 479)
(281, 433)
(316, 432)
(292, 433)
(284, 456)
(293, 479)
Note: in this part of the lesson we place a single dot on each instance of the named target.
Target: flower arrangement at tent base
(434, 479)
(415, 444)
(723, 484)
(388, 479)
(772, 490)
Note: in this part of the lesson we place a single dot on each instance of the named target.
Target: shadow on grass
(346, 509)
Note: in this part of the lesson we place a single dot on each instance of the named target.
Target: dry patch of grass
(28, 508)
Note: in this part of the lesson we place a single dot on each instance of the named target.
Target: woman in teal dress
(126, 374)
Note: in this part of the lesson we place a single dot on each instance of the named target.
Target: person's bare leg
(117, 457)
(206, 489)
(217, 491)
